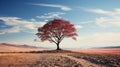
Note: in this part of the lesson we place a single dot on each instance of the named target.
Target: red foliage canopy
(56, 30)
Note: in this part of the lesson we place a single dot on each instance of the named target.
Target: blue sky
(97, 21)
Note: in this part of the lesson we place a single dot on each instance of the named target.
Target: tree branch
(53, 41)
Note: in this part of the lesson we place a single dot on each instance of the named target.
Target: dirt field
(108, 60)
(115, 51)
(69, 59)
(62, 58)
(36, 60)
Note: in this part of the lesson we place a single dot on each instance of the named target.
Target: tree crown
(56, 30)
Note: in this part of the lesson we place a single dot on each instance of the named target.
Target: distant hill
(111, 47)
(5, 47)
(16, 45)
(99, 50)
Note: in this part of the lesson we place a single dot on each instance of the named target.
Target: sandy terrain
(58, 59)
(101, 50)
(10, 56)
(43, 60)
(83, 62)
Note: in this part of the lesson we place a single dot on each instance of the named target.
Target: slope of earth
(17, 48)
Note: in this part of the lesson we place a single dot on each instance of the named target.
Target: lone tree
(56, 30)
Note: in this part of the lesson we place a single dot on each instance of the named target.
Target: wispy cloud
(19, 24)
(14, 29)
(98, 11)
(94, 40)
(108, 21)
(51, 15)
(78, 26)
(64, 8)
(104, 12)
(103, 39)
(110, 18)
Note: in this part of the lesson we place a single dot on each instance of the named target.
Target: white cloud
(51, 15)
(78, 26)
(13, 30)
(104, 12)
(108, 22)
(92, 40)
(65, 8)
(100, 39)
(110, 18)
(19, 24)
(98, 11)
(10, 30)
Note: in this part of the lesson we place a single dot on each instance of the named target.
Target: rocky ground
(58, 59)
(109, 60)
(36, 60)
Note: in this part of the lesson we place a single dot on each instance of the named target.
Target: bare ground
(43, 60)
(16, 56)
(83, 62)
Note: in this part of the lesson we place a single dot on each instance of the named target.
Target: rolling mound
(4, 47)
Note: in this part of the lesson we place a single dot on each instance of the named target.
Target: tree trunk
(58, 48)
